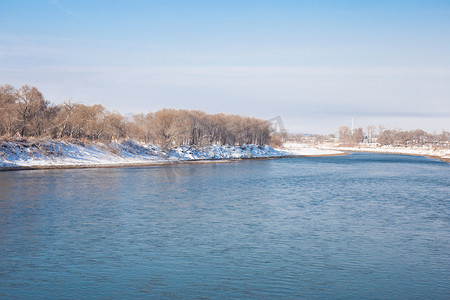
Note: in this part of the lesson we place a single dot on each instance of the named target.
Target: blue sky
(317, 64)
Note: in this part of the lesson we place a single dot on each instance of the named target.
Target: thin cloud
(55, 3)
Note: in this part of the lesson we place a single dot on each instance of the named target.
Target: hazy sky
(315, 63)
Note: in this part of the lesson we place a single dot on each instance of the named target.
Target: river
(357, 226)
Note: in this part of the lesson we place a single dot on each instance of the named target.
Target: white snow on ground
(307, 150)
(24, 153)
(420, 151)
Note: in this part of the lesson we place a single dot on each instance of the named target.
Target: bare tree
(8, 110)
(115, 126)
(345, 135)
(386, 137)
(357, 136)
(31, 111)
(64, 120)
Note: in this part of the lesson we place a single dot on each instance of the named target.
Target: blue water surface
(370, 226)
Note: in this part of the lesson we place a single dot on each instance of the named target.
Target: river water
(356, 226)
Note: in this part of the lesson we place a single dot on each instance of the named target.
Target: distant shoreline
(393, 151)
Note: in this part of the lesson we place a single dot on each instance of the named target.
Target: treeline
(350, 137)
(416, 137)
(393, 137)
(25, 112)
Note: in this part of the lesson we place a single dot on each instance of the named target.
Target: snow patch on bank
(224, 152)
(307, 150)
(419, 151)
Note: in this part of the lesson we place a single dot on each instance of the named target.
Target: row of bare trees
(416, 137)
(350, 137)
(25, 112)
(345, 136)
(393, 137)
(170, 127)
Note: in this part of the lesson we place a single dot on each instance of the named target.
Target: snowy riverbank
(442, 154)
(25, 154)
(307, 150)
(47, 154)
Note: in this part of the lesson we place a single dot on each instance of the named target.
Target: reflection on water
(358, 226)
